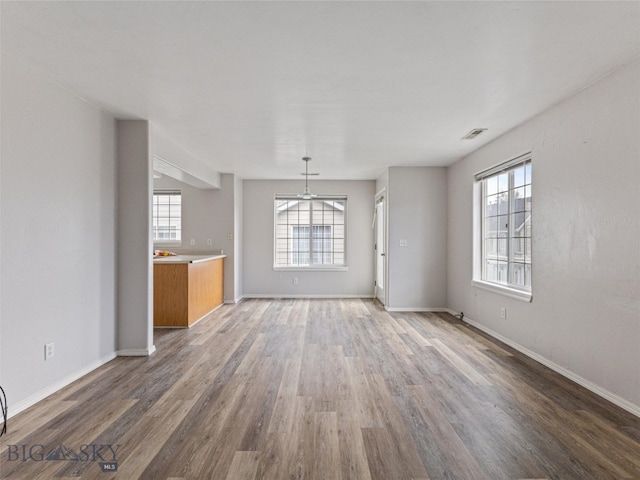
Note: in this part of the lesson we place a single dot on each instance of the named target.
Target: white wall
(585, 314)
(259, 278)
(211, 214)
(417, 215)
(58, 235)
(134, 254)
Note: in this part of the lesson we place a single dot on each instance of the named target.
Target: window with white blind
(310, 233)
(503, 230)
(167, 217)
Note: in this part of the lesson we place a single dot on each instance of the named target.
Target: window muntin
(310, 233)
(506, 225)
(167, 216)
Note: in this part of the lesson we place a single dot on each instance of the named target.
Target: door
(380, 250)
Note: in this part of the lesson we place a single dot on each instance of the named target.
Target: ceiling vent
(473, 133)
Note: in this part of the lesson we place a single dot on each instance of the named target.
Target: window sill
(503, 290)
(311, 269)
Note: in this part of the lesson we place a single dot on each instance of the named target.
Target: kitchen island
(186, 288)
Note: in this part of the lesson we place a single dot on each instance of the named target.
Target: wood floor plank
(327, 389)
(32, 420)
(353, 455)
(386, 462)
(404, 459)
(326, 445)
(456, 458)
(244, 466)
(283, 414)
(413, 333)
(467, 370)
(360, 409)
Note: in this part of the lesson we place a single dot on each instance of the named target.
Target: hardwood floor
(323, 389)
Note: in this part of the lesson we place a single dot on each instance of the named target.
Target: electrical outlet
(229, 236)
(209, 241)
(193, 241)
(49, 350)
(402, 242)
(295, 280)
(503, 312)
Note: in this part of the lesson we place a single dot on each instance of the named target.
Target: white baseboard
(53, 388)
(597, 389)
(415, 309)
(137, 352)
(305, 296)
(234, 301)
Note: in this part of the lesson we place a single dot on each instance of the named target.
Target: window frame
(312, 266)
(165, 242)
(479, 222)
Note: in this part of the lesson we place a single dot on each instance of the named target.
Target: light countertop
(186, 258)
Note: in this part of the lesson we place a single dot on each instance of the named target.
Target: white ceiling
(251, 87)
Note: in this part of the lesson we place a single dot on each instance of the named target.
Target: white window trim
(503, 290)
(478, 201)
(313, 268)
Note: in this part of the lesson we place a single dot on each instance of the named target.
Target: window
(505, 227)
(310, 233)
(167, 216)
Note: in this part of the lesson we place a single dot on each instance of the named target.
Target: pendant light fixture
(306, 195)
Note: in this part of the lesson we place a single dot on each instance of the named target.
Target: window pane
(491, 248)
(518, 200)
(492, 185)
(518, 275)
(503, 204)
(491, 227)
(503, 182)
(503, 272)
(518, 177)
(491, 206)
(491, 271)
(503, 226)
(518, 223)
(527, 177)
(502, 248)
(517, 249)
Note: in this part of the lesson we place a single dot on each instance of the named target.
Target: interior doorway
(380, 249)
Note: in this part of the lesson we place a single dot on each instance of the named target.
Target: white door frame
(380, 247)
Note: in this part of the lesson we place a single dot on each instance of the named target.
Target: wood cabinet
(186, 288)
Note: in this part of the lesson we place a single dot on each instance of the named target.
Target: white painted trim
(234, 301)
(53, 388)
(316, 268)
(137, 352)
(285, 295)
(415, 309)
(503, 290)
(597, 389)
